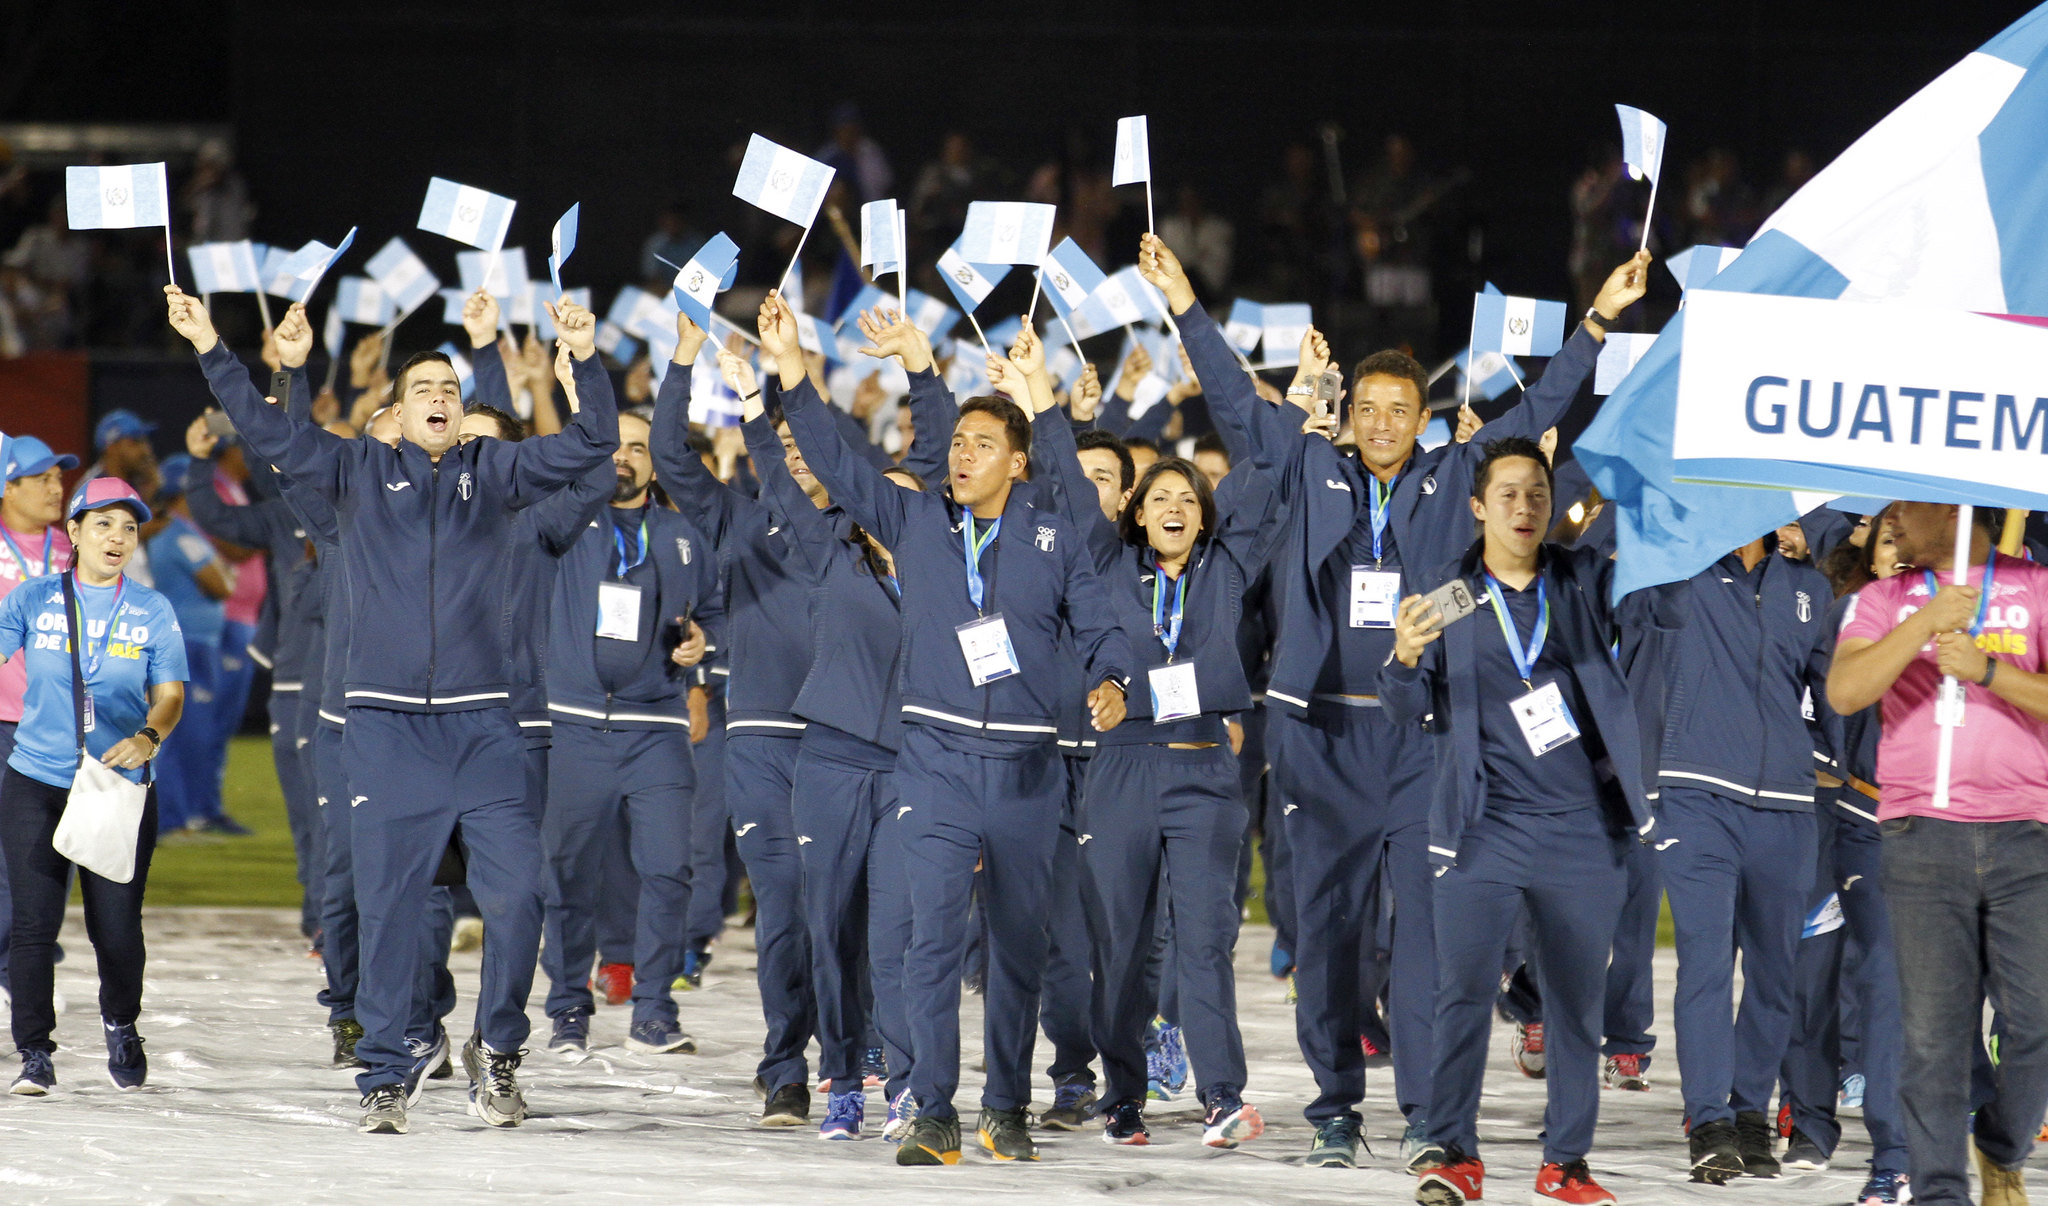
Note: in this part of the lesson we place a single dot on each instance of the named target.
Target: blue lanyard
(21, 558)
(619, 544)
(1983, 600)
(1377, 504)
(895, 587)
(1525, 660)
(89, 656)
(1165, 627)
(975, 547)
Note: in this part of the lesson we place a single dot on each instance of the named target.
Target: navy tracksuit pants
(710, 833)
(1066, 998)
(958, 806)
(618, 903)
(596, 779)
(1264, 837)
(1353, 789)
(301, 811)
(1631, 1007)
(856, 904)
(1848, 864)
(1569, 870)
(1148, 808)
(413, 777)
(760, 775)
(1738, 879)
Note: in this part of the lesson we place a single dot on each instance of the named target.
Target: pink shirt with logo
(2000, 767)
(244, 604)
(22, 558)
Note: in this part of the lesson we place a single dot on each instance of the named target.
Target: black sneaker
(1753, 1139)
(1716, 1160)
(38, 1075)
(1072, 1099)
(789, 1105)
(1226, 1120)
(494, 1093)
(127, 1066)
(1124, 1123)
(1007, 1134)
(1803, 1154)
(347, 1033)
(1337, 1142)
(383, 1111)
(931, 1141)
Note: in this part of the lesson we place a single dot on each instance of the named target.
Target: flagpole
(1645, 246)
(1149, 229)
(1948, 711)
(170, 259)
(1510, 362)
(263, 307)
(784, 278)
(333, 367)
(902, 266)
(979, 335)
(1037, 283)
(1071, 337)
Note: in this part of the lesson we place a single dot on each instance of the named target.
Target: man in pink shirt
(1966, 880)
(32, 543)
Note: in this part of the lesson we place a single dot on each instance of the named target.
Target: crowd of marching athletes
(1021, 694)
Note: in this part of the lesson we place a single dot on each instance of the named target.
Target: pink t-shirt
(22, 558)
(2000, 767)
(244, 604)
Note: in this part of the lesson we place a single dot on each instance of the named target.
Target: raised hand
(566, 375)
(199, 442)
(1007, 377)
(894, 335)
(1086, 397)
(1162, 270)
(1624, 286)
(364, 358)
(1315, 353)
(1027, 352)
(294, 337)
(575, 326)
(1136, 366)
(480, 319)
(777, 326)
(190, 319)
(1469, 424)
(689, 339)
(1416, 627)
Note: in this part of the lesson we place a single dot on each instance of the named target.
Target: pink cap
(97, 492)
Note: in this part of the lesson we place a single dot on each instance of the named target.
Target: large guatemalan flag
(1943, 204)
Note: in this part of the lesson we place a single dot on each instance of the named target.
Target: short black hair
(1096, 438)
(510, 429)
(1015, 423)
(1127, 523)
(1504, 449)
(412, 362)
(1209, 441)
(1141, 442)
(1394, 362)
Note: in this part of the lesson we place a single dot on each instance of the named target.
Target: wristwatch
(156, 742)
(1990, 668)
(1593, 315)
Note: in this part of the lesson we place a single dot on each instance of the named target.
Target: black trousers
(39, 878)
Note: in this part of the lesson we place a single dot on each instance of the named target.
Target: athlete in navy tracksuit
(989, 582)
(1737, 844)
(1163, 789)
(769, 647)
(1539, 789)
(625, 624)
(1352, 783)
(430, 739)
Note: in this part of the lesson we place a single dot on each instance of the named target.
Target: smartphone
(219, 426)
(1329, 384)
(1453, 601)
(281, 386)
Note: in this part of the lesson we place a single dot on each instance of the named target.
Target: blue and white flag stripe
(1642, 142)
(562, 243)
(880, 248)
(786, 184)
(698, 282)
(1517, 326)
(117, 198)
(505, 270)
(403, 276)
(358, 299)
(1695, 266)
(225, 267)
(1006, 232)
(1070, 276)
(971, 283)
(465, 214)
(1133, 152)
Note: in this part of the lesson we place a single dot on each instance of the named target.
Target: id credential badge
(618, 610)
(1375, 597)
(88, 722)
(1174, 696)
(986, 645)
(1545, 721)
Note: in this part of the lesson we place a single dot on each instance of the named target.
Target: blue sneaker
(655, 1037)
(1155, 1067)
(1282, 964)
(1885, 1188)
(427, 1055)
(843, 1115)
(1418, 1154)
(37, 1076)
(1174, 1053)
(902, 1116)
(1073, 1102)
(571, 1034)
(127, 1066)
(1852, 1091)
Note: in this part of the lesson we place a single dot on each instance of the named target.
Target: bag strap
(71, 634)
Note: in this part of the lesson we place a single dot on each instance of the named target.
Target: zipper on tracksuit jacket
(1763, 752)
(433, 602)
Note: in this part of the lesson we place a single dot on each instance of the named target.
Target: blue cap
(120, 425)
(97, 492)
(28, 456)
(173, 471)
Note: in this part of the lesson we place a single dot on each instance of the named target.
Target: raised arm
(1544, 403)
(933, 412)
(812, 531)
(858, 487)
(486, 361)
(716, 508)
(544, 464)
(247, 526)
(300, 450)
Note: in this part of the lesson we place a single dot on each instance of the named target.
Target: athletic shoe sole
(1141, 1139)
(134, 1088)
(1333, 1159)
(1439, 1195)
(417, 1086)
(1240, 1127)
(381, 1126)
(988, 1142)
(840, 1135)
(1804, 1166)
(492, 1117)
(1060, 1120)
(29, 1088)
(1716, 1169)
(684, 1045)
(784, 1120)
(917, 1155)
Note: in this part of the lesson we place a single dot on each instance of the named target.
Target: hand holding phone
(219, 426)
(280, 387)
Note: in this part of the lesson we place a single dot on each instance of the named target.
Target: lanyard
(1377, 501)
(1983, 600)
(895, 587)
(21, 558)
(89, 656)
(975, 547)
(1525, 660)
(1165, 627)
(619, 544)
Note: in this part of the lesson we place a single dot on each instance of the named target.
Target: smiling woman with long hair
(133, 660)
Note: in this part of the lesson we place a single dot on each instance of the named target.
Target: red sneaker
(1453, 1184)
(1570, 1183)
(615, 981)
(1784, 1122)
(1527, 1049)
(1626, 1072)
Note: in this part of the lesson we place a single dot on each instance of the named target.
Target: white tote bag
(102, 818)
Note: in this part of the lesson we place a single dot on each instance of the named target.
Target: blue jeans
(1969, 913)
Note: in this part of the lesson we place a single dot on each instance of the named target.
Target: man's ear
(1478, 512)
(1019, 462)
